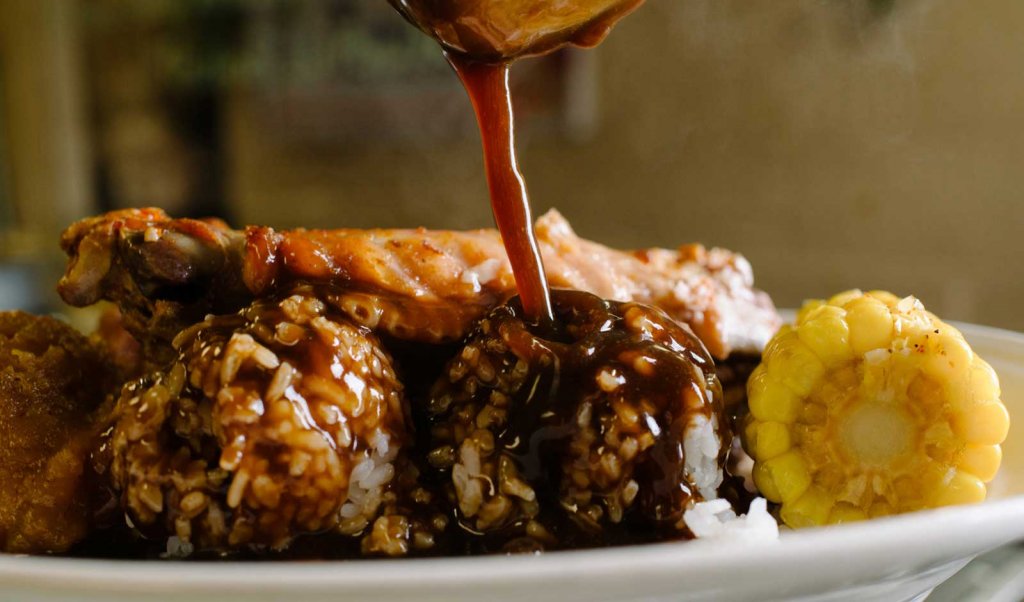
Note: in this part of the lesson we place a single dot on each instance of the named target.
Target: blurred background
(836, 143)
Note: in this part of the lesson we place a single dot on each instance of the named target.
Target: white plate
(893, 559)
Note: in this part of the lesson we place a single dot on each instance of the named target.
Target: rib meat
(421, 285)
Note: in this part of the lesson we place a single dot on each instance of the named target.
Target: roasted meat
(163, 275)
(603, 427)
(124, 350)
(52, 384)
(166, 274)
(280, 420)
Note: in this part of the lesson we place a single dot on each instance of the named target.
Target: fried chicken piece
(603, 430)
(424, 285)
(52, 380)
(280, 420)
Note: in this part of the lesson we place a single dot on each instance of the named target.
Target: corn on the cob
(870, 405)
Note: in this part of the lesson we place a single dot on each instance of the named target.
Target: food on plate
(424, 285)
(869, 405)
(359, 393)
(196, 457)
(52, 383)
(280, 420)
(604, 427)
(414, 289)
(352, 393)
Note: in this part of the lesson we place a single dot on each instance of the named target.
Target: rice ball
(282, 420)
(600, 429)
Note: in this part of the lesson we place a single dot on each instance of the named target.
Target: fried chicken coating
(283, 419)
(602, 428)
(52, 382)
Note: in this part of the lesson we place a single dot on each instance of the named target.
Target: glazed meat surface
(422, 285)
(52, 380)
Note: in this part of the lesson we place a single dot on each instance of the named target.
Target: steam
(811, 63)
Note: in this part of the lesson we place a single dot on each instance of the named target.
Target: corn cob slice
(870, 405)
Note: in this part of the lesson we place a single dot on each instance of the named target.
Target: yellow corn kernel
(880, 509)
(841, 299)
(870, 324)
(765, 484)
(981, 461)
(794, 364)
(886, 297)
(846, 513)
(786, 477)
(825, 333)
(909, 489)
(948, 356)
(924, 389)
(983, 381)
(808, 307)
(782, 335)
(814, 413)
(747, 428)
(961, 488)
(771, 400)
(986, 423)
(748, 435)
(812, 509)
(768, 439)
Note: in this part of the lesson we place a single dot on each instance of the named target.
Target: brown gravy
(557, 419)
(481, 38)
(487, 86)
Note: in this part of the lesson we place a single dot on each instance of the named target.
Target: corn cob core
(870, 405)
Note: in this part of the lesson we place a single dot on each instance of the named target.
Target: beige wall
(44, 119)
(832, 149)
(46, 138)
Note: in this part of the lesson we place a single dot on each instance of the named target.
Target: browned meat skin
(426, 285)
(163, 274)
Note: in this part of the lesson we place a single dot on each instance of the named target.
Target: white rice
(366, 483)
(716, 520)
(701, 446)
(177, 548)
